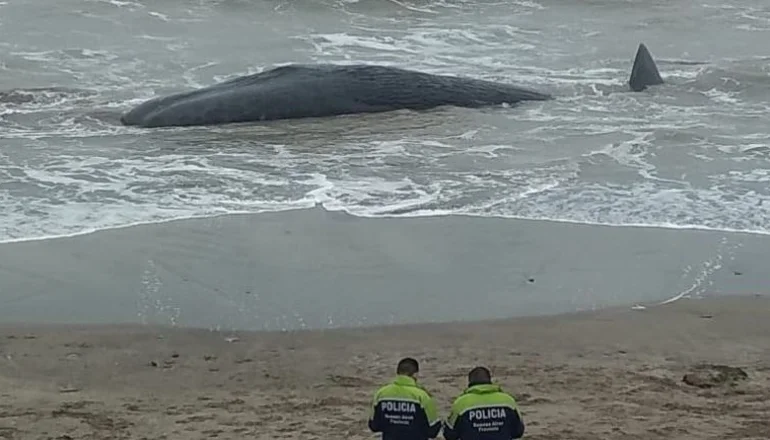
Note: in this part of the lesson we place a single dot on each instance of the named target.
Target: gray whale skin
(306, 91)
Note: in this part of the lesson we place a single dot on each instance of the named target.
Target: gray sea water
(692, 153)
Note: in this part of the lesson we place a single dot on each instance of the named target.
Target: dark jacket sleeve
(450, 433)
(434, 430)
(375, 418)
(430, 410)
(374, 426)
(517, 425)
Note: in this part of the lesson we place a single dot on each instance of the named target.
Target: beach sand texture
(612, 374)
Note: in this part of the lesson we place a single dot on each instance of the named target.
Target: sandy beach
(175, 330)
(612, 374)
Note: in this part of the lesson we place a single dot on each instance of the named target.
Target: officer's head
(407, 367)
(478, 376)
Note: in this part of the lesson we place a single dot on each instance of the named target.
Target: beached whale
(304, 91)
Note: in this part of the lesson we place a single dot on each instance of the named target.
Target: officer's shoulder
(504, 395)
(421, 387)
(421, 390)
(391, 390)
(500, 397)
(462, 401)
(509, 397)
(384, 389)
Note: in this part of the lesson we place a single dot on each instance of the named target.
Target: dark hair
(407, 366)
(479, 375)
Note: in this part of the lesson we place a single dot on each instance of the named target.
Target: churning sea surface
(692, 153)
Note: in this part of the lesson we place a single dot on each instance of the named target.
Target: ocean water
(693, 153)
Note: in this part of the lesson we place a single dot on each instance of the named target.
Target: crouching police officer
(403, 410)
(483, 411)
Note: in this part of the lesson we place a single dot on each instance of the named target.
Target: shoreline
(318, 269)
(614, 373)
(150, 223)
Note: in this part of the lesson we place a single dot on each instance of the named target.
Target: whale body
(305, 91)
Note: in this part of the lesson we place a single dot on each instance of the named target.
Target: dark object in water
(644, 73)
(306, 91)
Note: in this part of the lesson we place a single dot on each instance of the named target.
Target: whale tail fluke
(645, 72)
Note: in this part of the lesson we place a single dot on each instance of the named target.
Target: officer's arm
(431, 415)
(517, 424)
(375, 419)
(450, 427)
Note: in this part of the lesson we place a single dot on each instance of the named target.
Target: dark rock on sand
(710, 376)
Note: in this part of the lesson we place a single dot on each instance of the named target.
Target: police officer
(402, 409)
(483, 411)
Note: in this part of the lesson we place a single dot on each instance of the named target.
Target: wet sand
(311, 269)
(612, 374)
